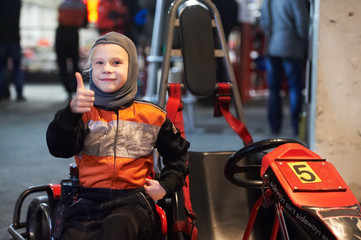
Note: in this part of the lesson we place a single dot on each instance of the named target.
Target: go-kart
(39, 217)
(309, 197)
(200, 65)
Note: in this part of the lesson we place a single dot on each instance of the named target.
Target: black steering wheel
(233, 167)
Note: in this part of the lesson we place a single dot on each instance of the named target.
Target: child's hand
(154, 189)
(83, 99)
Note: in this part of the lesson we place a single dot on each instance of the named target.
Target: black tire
(37, 223)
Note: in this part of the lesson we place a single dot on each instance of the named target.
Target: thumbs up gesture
(83, 99)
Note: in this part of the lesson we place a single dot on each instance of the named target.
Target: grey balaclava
(128, 91)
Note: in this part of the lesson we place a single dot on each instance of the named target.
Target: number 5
(304, 172)
(300, 172)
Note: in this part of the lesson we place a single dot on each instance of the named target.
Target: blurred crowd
(279, 38)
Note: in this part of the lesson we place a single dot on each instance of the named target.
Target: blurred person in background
(10, 48)
(117, 16)
(285, 24)
(72, 16)
(134, 29)
(228, 11)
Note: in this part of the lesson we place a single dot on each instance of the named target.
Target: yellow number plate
(304, 172)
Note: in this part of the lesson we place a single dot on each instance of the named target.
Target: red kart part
(310, 198)
(306, 178)
(312, 192)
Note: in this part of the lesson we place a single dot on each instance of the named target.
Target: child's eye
(98, 62)
(118, 62)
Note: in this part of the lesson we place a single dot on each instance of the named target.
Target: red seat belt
(222, 108)
(174, 109)
(175, 106)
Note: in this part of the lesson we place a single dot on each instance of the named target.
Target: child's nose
(107, 68)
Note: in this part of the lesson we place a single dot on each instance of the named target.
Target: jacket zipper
(115, 146)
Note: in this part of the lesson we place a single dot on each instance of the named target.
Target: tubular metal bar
(254, 211)
(14, 234)
(175, 204)
(20, 200)
(282, 222)
(154, 51)
(171, 21)
(167, 51)
(252, 218)
(17, 211)
(275, 228)
(227, 61)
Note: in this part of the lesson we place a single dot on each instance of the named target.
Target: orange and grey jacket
(114, 149)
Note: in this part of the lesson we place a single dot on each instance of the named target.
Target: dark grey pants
(121, 216)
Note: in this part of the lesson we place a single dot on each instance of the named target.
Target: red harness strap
(175, 106)
(174, 109)
(222, 108)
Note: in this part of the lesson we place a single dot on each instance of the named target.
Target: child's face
(110, 67)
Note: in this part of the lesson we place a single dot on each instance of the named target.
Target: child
(112, 137)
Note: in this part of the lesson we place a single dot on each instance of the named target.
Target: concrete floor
(25, 160)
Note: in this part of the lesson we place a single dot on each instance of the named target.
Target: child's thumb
(147, 182)
(79, 81)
